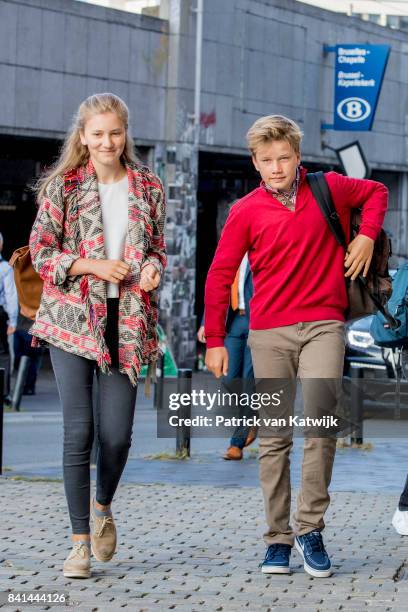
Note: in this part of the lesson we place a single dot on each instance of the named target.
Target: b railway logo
(353, 109)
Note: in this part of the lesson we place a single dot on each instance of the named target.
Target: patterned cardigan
(72, 313)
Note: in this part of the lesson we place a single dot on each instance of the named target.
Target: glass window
(374, 18)
(403, 23)
(393, 21)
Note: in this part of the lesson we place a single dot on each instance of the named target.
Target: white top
(241, 282)
(114, 202)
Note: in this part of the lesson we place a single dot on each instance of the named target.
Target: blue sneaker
(316, 560)
(277, 559)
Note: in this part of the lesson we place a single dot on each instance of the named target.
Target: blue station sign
(359, 74)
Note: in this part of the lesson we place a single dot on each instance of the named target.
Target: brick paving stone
(279, 608)
(350, 605)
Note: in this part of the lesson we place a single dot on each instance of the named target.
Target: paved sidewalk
(190, 532)
(193, 548)
(33, 447)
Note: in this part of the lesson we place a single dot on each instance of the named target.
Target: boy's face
(276, 162)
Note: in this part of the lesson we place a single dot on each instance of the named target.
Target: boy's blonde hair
(274, 127)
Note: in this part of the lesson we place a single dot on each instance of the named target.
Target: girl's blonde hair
(274, 127)
(73, 153)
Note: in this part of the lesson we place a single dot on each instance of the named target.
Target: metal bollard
(2, 379)
(357, 404)
(184, 384)
(20, 382)
(159, 386)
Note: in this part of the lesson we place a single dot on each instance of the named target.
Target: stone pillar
(177, 295)
(177, 164)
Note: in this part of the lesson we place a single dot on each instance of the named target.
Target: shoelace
(79, 549)
(107, 520)
(277, 548)
(314, 542)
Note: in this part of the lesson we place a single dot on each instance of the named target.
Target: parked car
(383, 394)
(362, 351)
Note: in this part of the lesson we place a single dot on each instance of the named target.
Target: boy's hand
(216, 360)
(358, 256)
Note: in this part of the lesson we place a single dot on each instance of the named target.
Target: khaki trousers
(309, 350)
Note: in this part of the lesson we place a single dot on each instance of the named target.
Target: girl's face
(105, 136)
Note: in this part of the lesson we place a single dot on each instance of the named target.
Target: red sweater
(297, 265)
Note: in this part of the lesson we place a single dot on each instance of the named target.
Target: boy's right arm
(233, 245)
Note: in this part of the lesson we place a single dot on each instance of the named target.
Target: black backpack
(369, 294)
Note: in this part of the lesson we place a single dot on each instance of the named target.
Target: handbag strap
(322, 195)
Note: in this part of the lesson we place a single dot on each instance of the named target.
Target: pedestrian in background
(98, 245)
(8, 317)
(22, 348)
(400, 517)
(240, 371)
(239, 355)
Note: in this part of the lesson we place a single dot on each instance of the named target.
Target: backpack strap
(322, 195)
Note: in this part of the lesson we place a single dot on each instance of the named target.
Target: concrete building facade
(393, 14)
(258, 57)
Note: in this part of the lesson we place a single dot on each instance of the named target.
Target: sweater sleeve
(156, 254)
(48, 258)
(233, 245)
(370, 196)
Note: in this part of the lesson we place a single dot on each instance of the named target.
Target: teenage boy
(297, 315)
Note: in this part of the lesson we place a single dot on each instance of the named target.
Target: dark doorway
(223, 179)
(21, 161)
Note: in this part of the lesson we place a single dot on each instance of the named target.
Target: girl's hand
(358, 256)
(111, 270)
(149, 278)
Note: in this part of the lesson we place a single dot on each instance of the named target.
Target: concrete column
(178, 162)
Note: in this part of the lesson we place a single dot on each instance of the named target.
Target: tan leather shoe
(78, 562)
(103, 535)
(253, 432)
(233, 454)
